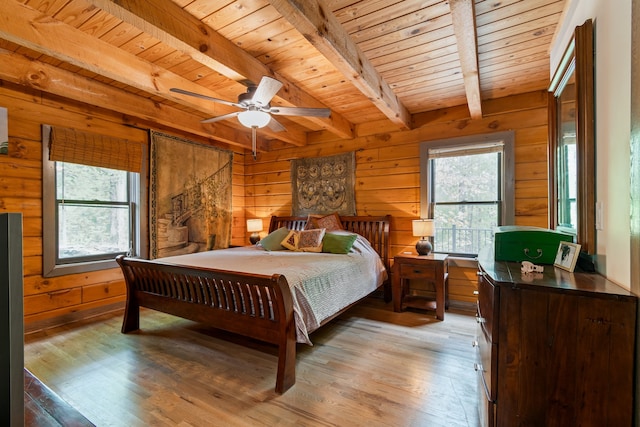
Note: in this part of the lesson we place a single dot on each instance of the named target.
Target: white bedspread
(321, 283)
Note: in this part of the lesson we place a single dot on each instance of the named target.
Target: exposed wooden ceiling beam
(317, 23)
(464, 27)
(170, 24)
(17, 69)
(28, 27)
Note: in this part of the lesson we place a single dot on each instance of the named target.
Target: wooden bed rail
(252, 305)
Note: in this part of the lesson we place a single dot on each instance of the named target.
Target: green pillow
(338, 243)
(271, 242)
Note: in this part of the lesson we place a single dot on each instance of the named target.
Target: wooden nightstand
(432, 268)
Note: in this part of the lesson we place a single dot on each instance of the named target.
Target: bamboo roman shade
(465, 150)
(91, 149)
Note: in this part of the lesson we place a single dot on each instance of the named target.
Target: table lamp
(423, 228)
(254, 226)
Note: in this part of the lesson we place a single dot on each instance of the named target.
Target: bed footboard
(256, 306)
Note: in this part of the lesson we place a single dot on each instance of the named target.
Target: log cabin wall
(388, 170)
(387, 181)
(56, 300)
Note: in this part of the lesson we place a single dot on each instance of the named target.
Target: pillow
(305, 240)
(338, 243)
(311, 240)
(311, 222)
(330, 222)
(291, 240)
(271, 242)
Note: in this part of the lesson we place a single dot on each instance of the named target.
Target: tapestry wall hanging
(323, 185)
(190, 196)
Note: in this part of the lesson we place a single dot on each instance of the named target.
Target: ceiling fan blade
(265, 91)
(208, 98)
(218, 118)
(275, 125)
(300, 111)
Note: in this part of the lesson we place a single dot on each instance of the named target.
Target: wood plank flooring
(42, 407)
(369, 367)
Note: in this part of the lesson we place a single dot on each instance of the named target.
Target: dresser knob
(474, 343)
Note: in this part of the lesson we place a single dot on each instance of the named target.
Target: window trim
(507, 209)
(496, 148)
(139, 205)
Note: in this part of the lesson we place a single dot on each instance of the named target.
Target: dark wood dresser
(553, 348)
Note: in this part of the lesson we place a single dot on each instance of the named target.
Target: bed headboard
(373, 228)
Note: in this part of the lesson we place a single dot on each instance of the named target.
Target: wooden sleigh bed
(253, 305)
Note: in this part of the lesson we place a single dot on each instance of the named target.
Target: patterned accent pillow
(311, 240)
(311, 222)
(291, 241)
(330, 222)
(305, 240)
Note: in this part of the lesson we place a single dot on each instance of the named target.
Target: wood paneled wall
(388, 169)
(387, 182)
(56, 300)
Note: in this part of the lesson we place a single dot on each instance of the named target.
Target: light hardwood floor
(369, 367)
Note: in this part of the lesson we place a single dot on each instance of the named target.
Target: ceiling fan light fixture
(254, 118)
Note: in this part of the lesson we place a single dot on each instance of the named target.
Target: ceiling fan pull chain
(253, 142)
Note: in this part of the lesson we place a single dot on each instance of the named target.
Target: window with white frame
(92, 195)
(467, 188)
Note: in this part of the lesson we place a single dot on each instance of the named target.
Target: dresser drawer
(486, 408)
(488, 303)
(487, 363)
(417, 271)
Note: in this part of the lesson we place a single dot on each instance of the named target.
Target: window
(91, 213)
(467, 188)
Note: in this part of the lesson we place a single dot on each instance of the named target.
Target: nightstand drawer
(409, 271)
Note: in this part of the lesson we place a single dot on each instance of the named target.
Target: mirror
(571, 137)
(566, 162)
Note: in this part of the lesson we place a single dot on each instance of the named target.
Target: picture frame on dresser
(567, 256)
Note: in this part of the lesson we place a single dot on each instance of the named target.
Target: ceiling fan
(256, 108)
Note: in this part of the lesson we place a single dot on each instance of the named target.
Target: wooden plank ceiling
(366, 60)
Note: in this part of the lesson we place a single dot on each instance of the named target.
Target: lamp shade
(423, 227)
(254, 225)
(253, 118)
